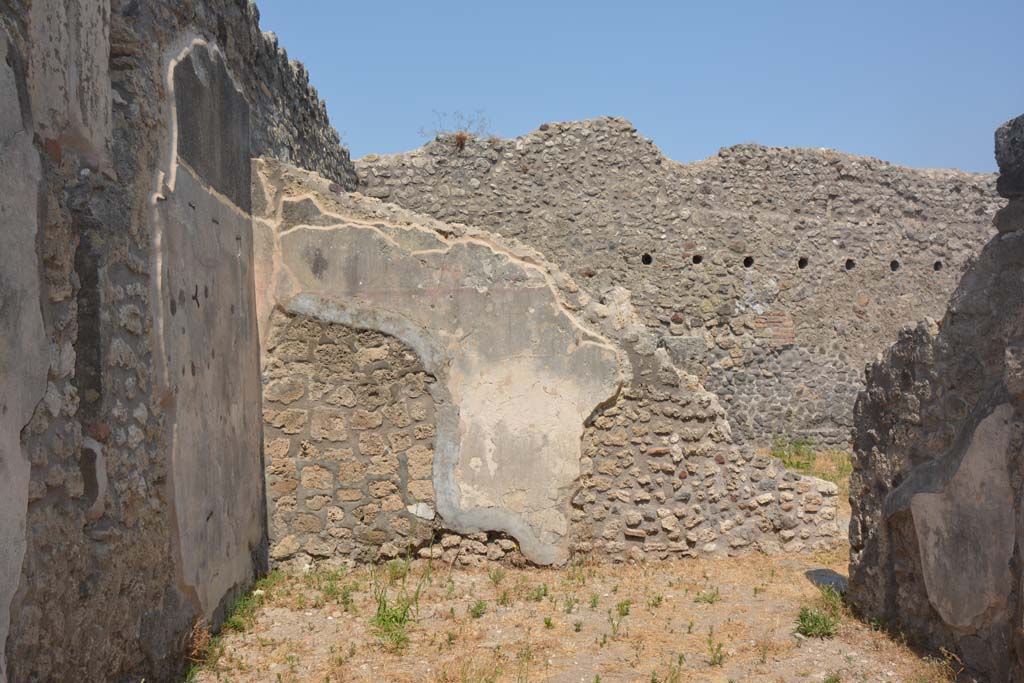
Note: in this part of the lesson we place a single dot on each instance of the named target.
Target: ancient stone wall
(130, 264)
(772, 274)
(558, 419)
(350, 428)
(517, 374)
(660, 480)
(939, 450)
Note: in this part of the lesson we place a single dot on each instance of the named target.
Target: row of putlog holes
(802, 262)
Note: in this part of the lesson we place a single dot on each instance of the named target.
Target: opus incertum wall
(555, 420)
(125, 222)
(772, 274)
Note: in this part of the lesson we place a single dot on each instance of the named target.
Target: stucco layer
(23, 357)
(521, 374)
(205, 308)
(68, 79)
(118, 548)
(965, 531)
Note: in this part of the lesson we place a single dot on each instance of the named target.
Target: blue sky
(916, 83)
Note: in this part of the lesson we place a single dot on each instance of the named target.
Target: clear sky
(916, 83)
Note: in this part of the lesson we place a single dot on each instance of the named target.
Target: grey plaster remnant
(935, 493)
(522, 374)
(68, 75)
(23, 357)
(213, 124)
(966, 531)
(204, 307)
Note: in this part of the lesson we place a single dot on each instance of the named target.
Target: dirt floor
(689, 620)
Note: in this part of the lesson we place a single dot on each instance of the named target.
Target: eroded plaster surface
(207, 344)
(966, 531)
(522, 373)
(23, 358)
(936, 492)
(68, 74)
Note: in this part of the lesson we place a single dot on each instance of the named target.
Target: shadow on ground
(826, 577)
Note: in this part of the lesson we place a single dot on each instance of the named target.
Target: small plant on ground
(393, 615)
(397, 570)
(539, 593)
(503, 599)
(548, 622)
(831, 600)
(523, 659)
(570, 604)
(577, 626)
(716, 654)
(813, 622)
(763, 646)
(708, 597)
(795, 454)
(615, 622)
(391, 619)
(496, 576)
(477, 609)
(674, 674)
(823, 621)
(832, 678)
(576, 574)
(205, 651)
(242, 614)
(593, 600)
(623, 608)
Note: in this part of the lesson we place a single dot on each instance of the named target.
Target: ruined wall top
(774, 274)
(1010, 157)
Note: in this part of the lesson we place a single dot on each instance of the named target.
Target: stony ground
(690, 620)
